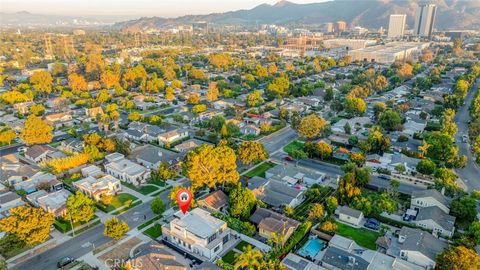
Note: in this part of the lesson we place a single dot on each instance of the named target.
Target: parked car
(65, 261)
(288, 158)
(372, 223)
(22, 149)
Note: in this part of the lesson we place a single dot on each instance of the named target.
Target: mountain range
(451, 14)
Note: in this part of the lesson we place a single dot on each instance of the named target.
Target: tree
(279, 86)
(474, 231)
(405, 71)
(36, 131)
(42, 81)
(80, 207)
(241, 202)
(209, 166)
(134, 116)
(255, 99)
(251, 152)
(328, 226)
(464, 208)
(7, 136)
(199, 108)
(458, 258)
(77, 83)
(249, 259)
(390, 120)
(110, 78)
(311, 126)
(400, 168)
(169, 93)
(377, 141)
(323, 149)
(212, 93)
(31, 225)
(107, 199)
(357, 158)
(331, 204)
(157, 206)
(193, 98)
(316, 212)
(355, 106)
(115, 228)
(164, 172)
(426, 166)
(37, 109)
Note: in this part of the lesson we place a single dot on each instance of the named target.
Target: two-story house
(126, 170)
(198, 233)
(172, 136)
(427, 198)
(95, 188)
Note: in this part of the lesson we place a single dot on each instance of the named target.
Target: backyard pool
(311, 248)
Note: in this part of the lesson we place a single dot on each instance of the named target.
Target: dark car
(65, 261)
(372, 223)
(288, 158)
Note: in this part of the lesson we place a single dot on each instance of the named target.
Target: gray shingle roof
(421, 241)
(350, 212)
(430, 193)
(344, 260)
(436, 214)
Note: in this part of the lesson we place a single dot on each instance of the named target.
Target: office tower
(329, 27)
(396, 25)
(341, 26)
(424, 20)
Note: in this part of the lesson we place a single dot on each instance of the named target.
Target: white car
(22, 149)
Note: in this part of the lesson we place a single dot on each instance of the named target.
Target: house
(91, 170)
(356, 124)
(172, 136)
(72, 145)
(38, 153)
(216, 201)
(198, 233)
(295, 262)
(135, 135)
(187, 145)
(293, 175)
(92, 113)
(95, 188)
(154, 256)
(278, 194)
(54, 202)
(126, 170)
(428, 198)
(269, 222)
(10, 200)
(149, 156)
(419, 247)
(13, 171)
(59, 120)
(435, 219)
(412, 127)
(23, 107)
(250, 130)
(350, 216)
(48, 180)
(343, 253)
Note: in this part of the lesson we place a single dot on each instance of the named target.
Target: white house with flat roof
(95, 188)
(198, 233)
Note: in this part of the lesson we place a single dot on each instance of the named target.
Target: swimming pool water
(311, 248)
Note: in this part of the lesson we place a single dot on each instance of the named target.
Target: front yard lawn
(240, 246)
(291, 147)
(154, 232)
(230, 257)
(117, 202)
(260, 169)
(363, 237)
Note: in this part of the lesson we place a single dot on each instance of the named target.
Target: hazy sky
(165, 8)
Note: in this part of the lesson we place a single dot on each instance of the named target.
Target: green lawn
(240, 246)
(145, 190)
(260, 169)
(154, 232)
(149, 222)
(295, 145)
(117, 202)
(363, 237)
(230, 257)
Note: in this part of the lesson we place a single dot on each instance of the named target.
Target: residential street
(277, 140)
(471, 173)
(82, 244)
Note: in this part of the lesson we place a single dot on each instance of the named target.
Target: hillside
(452, 14)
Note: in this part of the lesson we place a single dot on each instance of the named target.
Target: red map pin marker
(184, 198)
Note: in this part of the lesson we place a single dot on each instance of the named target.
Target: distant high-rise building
(424, 20)
(341, 26)
(396, 25)
(329, 27)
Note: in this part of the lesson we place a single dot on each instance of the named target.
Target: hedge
(296, 237)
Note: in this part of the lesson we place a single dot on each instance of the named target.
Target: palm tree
(115, 116)
(423, 149)
(249, 259)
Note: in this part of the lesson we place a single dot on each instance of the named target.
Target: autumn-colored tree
(331, 204)
(36, 131)
(37, 109)
(328, 226)
(80, 207)
(279, 86)
(12, 97)
(212, 93)
(255, 98)
(199, 108)
(249, 259)
(220, 60)
(177, 84)
(209, 166)
(114, 228)
(103, 96)
(169, 94)
(458, 258)
(311, 126)
(42, 81)
(94, 66)
(323, 149)
(31, 225)
(77, 83)
(272, 69)
(135, 116)
(59, 165)
(193, 98)
(355, 106)
(251, 152)
(357, 158)
(405, 71)
(241, 201)
(7, 136)
(106, 199)
(173, 196)
(154, 84)
(316, 212)
(110, 78)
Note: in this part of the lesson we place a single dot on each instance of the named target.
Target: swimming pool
(311, 248)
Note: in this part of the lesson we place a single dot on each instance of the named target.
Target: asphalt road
(277, 140)
(80, 245)
(470, 175)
